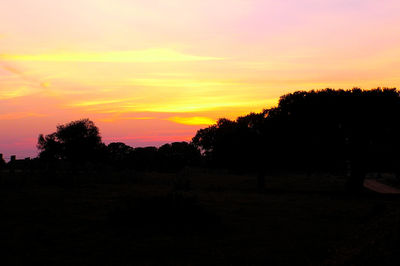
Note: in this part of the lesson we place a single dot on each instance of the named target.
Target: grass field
(196, 218)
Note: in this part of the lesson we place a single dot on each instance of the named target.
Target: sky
(155, 71)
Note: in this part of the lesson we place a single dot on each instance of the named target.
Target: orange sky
(150, 72)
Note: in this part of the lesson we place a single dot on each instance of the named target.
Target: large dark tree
(327, 130)
(232, 144)
(331, 128)
(77, 142)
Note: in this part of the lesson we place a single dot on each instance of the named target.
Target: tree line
(325, 130)
(339, 131)
(79, 143)
(322, 130)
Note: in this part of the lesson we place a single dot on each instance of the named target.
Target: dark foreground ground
(194, 218)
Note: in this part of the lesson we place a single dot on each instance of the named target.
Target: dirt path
(379, 187)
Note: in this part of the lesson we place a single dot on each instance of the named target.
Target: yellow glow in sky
(192, 120)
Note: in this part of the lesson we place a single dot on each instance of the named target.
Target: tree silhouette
(232, 144)
(2, 162)
(120, 155)
(177, 155)
(77, 142)
(324, 129)
(145, 158)
(312, 131)
(327, 130)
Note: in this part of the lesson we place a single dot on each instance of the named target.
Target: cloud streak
(24, 76)
(20, 115)
(148, 55)
(195, 120)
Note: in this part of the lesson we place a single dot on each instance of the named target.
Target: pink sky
(150, 72)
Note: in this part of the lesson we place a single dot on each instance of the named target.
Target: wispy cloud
(187, 104)
(196, 120)
(96, 102)
(16, 83)
(148, 55)
(19, 115)
(183, 83)
(191, 121)
(15, 92)
(192, 105)
(113, 119)
(24, 76)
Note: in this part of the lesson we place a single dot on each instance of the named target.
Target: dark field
(194, 218)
